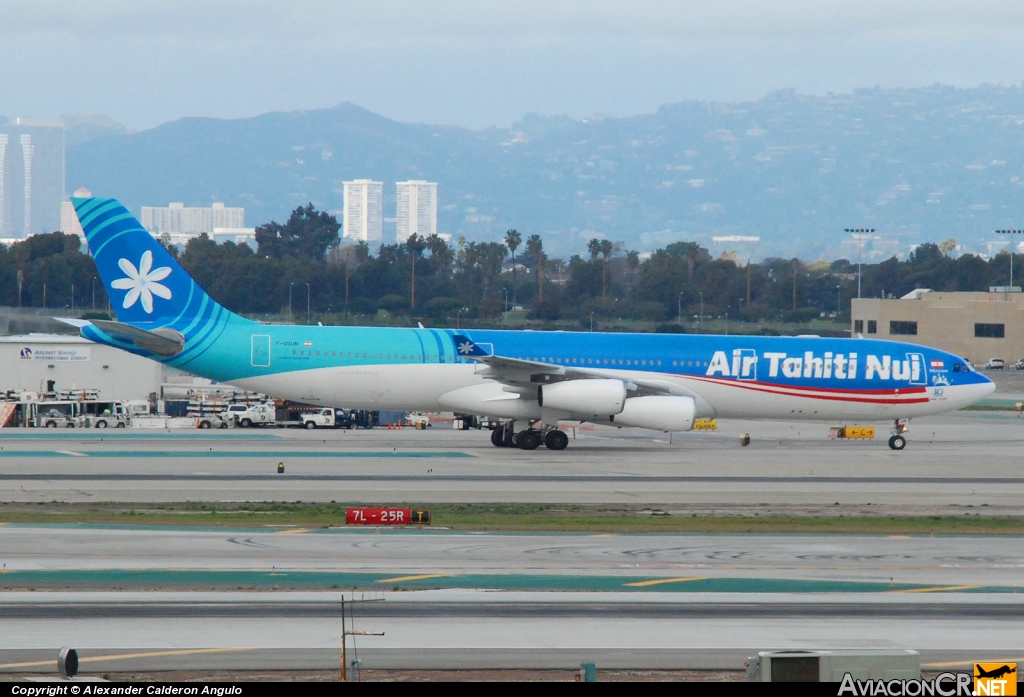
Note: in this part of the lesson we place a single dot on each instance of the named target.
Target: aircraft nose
(990, 385)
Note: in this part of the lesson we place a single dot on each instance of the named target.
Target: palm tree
(535, 246)
(512, 241)
(603, 248)
(415, 246)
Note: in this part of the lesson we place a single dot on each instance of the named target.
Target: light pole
(860, 247)
(591, 322)
(679, 309)
(458, 319)
(700, 322)
(839, 300)
(307, 303)
(291, 315)
(1011, 231)
(93, 292)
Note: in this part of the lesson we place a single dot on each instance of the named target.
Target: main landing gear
(505, 436)
(896, 440)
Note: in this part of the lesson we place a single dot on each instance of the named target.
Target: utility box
(831, 666)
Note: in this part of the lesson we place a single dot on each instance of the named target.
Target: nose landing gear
(896, 440)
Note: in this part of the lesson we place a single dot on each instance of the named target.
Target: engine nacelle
(591, 397)
(658, 413)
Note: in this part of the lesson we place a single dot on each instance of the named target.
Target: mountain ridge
(921, 164)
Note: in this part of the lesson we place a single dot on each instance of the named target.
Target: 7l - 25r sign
(386, 516)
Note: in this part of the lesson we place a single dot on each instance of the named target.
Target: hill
(917, 164)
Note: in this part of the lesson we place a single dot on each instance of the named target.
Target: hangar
(47, 362)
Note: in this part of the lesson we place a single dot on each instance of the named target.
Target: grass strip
(511, 518)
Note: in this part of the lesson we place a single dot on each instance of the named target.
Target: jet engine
(604, 397)
(658, 413)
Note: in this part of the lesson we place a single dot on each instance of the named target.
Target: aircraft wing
(519, 373)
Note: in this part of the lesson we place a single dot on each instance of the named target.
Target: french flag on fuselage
(937, 364)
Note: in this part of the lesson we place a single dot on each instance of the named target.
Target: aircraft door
(918, 371)
(260, 357)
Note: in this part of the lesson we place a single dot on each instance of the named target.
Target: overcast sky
(480, 63)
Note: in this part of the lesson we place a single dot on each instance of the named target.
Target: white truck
(269, 415)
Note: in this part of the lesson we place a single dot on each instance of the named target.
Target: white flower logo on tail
(142, 282)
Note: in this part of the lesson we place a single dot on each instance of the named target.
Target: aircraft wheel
(498, 437)
(529, 440)
(556, 440)
(517, 439)
(897, 442)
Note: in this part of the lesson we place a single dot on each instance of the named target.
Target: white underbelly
(399, 387)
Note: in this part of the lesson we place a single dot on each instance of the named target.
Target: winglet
(466, 348)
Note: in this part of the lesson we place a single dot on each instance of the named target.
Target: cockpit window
(957, 367)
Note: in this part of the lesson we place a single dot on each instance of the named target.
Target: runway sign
(386, 516)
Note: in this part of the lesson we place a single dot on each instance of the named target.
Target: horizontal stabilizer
(162, 342)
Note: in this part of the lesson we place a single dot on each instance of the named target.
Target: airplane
(535, 378)
(995, 673)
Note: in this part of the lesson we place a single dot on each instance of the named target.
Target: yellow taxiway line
(122, 656)
(421, 577)
(659, 581)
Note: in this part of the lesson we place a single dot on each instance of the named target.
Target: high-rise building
(176, 218)
(363, 215)
(417, 209)
(31, 176)
(69, 223)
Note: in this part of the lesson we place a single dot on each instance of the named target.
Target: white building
(363, 218)
(31, 176)
(69, 222)
(40, 362)
(177, 219)
(417, 209)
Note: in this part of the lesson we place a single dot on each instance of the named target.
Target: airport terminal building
(977, 326)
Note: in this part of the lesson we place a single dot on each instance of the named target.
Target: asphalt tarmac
(463, 600)
(966, 459)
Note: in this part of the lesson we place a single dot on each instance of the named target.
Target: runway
(449, 557)
(965, 459)
(475, 629)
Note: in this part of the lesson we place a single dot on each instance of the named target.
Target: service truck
(270, 415)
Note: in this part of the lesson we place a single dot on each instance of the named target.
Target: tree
(606, 253)
(415, 245)
(308, 234)
(535, 246)
(598, 247)
(512, 241)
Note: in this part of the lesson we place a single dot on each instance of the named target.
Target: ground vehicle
(269, 415)
(1019, 365)
(995, 364)
(102, 414)
(78, 413)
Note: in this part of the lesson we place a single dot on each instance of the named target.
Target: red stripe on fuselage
(770, 388)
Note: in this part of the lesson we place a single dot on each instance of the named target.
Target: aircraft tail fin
(144, 282)
(146, 286)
